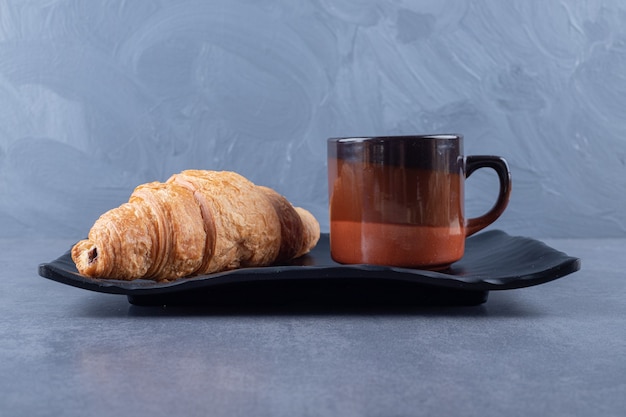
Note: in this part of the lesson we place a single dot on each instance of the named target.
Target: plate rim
(566, 265)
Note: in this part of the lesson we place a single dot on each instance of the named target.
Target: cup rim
(358, 139)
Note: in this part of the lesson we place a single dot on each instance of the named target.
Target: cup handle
(498, 164)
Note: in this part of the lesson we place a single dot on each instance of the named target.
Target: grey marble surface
(103, 97)
(554, 349)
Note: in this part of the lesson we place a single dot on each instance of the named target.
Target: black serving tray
(493, 260)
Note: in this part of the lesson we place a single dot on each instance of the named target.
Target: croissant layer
(197, 222)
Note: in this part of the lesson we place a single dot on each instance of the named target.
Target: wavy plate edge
(63, 270)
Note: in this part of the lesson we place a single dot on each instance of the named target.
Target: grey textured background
(99, 96)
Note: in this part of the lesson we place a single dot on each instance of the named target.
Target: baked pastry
(197, 222)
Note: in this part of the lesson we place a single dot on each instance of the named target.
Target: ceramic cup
(399, 200)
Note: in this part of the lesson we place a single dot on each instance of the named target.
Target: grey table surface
(553, 349)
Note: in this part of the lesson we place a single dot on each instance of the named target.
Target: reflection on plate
(493, 260)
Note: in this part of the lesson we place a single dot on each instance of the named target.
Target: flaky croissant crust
(197, 222)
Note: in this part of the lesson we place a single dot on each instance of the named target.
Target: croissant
(197, 222)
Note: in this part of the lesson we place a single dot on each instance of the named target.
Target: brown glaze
(394, 244)
(364, 192)
(400, 200)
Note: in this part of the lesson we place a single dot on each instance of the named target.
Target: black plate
(493, 260)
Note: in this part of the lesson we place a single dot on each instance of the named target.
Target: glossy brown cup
(399, 200)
